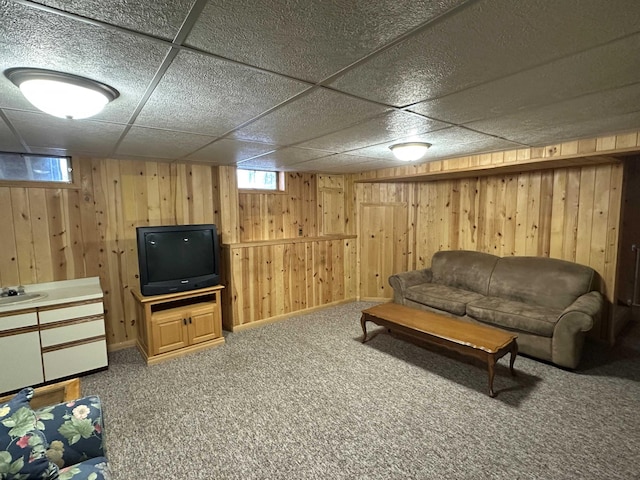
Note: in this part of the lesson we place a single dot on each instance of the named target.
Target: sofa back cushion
(543, 281)
(463, 269)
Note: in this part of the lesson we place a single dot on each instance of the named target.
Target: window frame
(281, 187)
(73, 184)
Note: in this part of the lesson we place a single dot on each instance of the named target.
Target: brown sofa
(549, 303)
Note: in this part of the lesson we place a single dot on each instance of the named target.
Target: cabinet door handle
(190, 320)
(184, 320)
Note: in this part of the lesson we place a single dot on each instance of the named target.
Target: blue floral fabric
(93, 469)
(74, 432)
(22, 445)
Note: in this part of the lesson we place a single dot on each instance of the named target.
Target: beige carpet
(304, 399)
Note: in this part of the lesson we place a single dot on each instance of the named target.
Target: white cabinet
(53, 339)
(20, 359)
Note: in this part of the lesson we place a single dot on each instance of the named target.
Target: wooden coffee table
(483, 342)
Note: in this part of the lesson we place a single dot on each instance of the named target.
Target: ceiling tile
(613, 65)
(141, 159)
(444, 142)
(86, 136)
(228, 151)
(32, 38)
(527, 126)
(337, 163)
(149, 142)
(211, 96)
(594, 127)
(312, 115)
(485, 41)
(161, 18)
(280, 159)
(8, 141)
(307, 40)
(535, 73)
(386, 127)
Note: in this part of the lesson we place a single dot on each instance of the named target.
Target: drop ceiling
(323, 86)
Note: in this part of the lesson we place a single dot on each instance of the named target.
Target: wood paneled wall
(279, 215)
(50, 234)
(572, 214)
(568, 213)
(275, 279)
(282, 262)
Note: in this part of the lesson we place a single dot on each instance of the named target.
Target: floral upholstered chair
(62, 441)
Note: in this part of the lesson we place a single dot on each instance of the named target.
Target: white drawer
(76, 359)
(68, 313)
(18, 321)
(71, 333)
(20, 363)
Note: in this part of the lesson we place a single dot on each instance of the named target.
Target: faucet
(12, 292)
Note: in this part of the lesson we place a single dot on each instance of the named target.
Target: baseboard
(375, 299)
(277, 318)
(114, 347)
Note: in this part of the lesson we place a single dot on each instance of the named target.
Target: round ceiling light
(410, 151)
(61, 94)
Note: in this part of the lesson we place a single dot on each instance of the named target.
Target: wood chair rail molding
(281, 241)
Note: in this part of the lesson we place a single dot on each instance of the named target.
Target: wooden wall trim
(285, 241)
(498, 169)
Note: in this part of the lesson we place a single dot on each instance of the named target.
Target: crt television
(176, 258)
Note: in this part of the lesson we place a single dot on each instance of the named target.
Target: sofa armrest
(577, 319)
(73, 429)
(400, 282)
(582, 314)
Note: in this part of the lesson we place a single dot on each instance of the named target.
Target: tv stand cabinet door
(169, 333)
(203, 325)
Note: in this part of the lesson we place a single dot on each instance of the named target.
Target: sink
(27, 297)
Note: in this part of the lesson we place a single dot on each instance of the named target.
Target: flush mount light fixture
(410, 151)
(62, 94)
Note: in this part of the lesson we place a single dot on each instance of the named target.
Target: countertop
(64, 291)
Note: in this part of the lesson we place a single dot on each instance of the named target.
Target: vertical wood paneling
(279, 215)
(383, 246)
(571, 213)
(53, 234)
(42, 247)
(9, 272)
(279, 278)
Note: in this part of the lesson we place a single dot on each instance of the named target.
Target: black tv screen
(177, 258)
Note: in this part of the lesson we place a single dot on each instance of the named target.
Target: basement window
(27, 167)
(260, 180)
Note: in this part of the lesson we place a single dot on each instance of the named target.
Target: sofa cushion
(74, 430)
(442, 297)
(22, 445)
(513, 315)
(463, 269)
(546, 282)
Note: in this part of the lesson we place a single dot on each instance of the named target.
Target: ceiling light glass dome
(61, 94)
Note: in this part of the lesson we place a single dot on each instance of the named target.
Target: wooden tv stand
(177, 323)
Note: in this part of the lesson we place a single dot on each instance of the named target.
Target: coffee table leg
(514, 353)
(363, 323)
(491, 364)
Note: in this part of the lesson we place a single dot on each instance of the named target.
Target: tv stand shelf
(177, 323)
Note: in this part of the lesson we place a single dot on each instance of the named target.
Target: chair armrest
(400, 282)
(74, 430)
